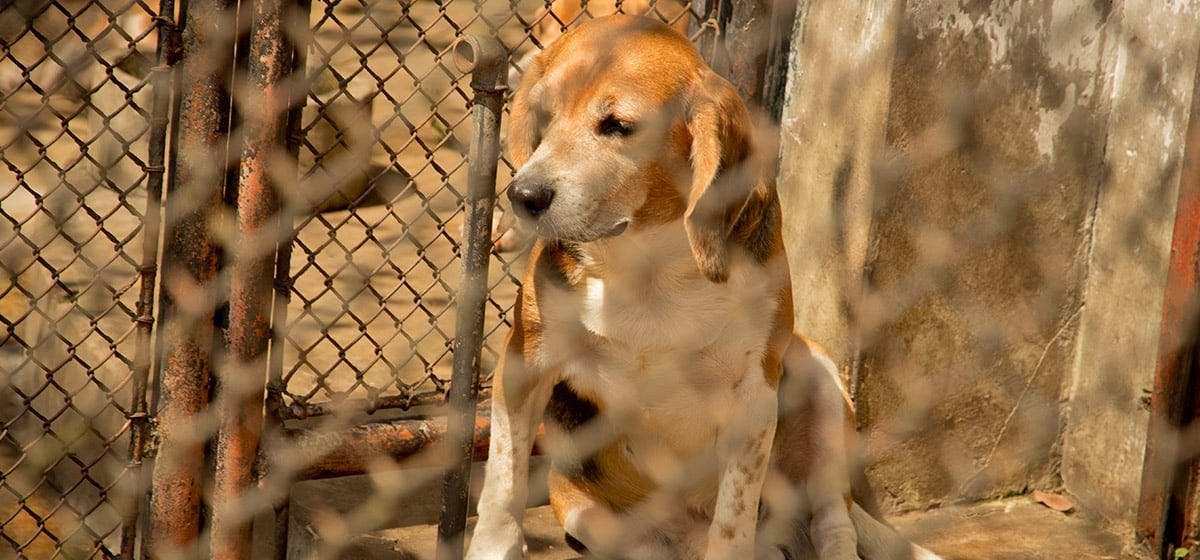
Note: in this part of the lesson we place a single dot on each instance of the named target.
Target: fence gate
(247, 244)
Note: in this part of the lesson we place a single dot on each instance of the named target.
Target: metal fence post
(1169, 506)
(485, 59)
(190, 260)
(282, 286)
(242, 379)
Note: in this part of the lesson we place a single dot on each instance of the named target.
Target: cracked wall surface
(980, 199)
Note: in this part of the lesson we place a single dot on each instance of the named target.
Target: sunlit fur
(658, 350)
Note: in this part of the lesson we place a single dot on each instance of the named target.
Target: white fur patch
(921, 553)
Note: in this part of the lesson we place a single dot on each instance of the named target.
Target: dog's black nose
(533, 199)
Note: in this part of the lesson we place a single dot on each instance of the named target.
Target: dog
(549, 23)
(654, 325)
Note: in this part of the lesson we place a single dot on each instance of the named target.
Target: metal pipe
(1166, 509)
(300, 411)
(486, 60)
(242, 380)
(349, 452)
(190, 259)
(148, 271)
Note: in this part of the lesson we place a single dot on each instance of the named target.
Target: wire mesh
(964, 284)
(374, 272)
(75, 87)
(374, 260)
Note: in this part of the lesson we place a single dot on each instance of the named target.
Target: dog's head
(620, 124)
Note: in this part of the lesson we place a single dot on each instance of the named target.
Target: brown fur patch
(557, 262)
(781, 337)
(614, 482)
(759, 226)
(725, 170)
(664, 204)
(727, 531)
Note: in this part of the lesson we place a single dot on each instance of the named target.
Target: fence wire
(74, 127)
(389, 189)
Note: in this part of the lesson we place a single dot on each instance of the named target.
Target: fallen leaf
(1056, 502)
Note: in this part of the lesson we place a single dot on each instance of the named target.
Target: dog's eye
(612, 126)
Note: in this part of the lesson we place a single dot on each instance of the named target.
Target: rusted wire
(139, 416)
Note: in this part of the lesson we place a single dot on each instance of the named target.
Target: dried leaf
(1056, 502)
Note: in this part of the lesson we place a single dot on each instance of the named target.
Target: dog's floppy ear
(524, 127)
(725, 170)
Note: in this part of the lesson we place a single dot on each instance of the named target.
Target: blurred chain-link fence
(233, 234)
(98, 99)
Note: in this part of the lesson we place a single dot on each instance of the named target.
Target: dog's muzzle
(530, 199)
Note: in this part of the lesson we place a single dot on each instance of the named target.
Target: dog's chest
(663, 352)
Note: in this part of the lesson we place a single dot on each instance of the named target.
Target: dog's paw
(497, 543)
(503, 553)
(497, 552)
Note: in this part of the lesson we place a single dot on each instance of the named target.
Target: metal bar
(346, 453)
(242, 381)
(487, 62)
(779, 47)
(1162, 509)
(190, 258)
(300, 411)
(148, 272)
(275, 408)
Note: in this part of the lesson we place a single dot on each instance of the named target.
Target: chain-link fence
(393, 188)
(233, 234)
(366, 319)
(75, 127)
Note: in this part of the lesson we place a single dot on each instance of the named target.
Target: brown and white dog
(654, 328)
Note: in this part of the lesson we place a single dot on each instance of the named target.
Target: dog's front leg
(828, 484)
(519, 398)
(744, 450)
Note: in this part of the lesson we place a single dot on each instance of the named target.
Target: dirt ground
(1005, 529)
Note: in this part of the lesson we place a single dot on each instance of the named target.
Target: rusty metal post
(348, 452)
(783, 18)
(486, 60)
(148, 271)
(1167, 507)
(242, 379)
(190, 259)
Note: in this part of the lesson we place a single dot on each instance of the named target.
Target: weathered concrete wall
(1152, 67)
(832, 137)
(979, 244)
(962, 158)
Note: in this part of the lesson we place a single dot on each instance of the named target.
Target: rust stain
(251, 286)
(1171, 404)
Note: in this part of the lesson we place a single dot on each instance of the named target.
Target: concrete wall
(1154, 54)
(980, 199)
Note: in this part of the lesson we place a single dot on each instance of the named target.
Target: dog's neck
(640, 256)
